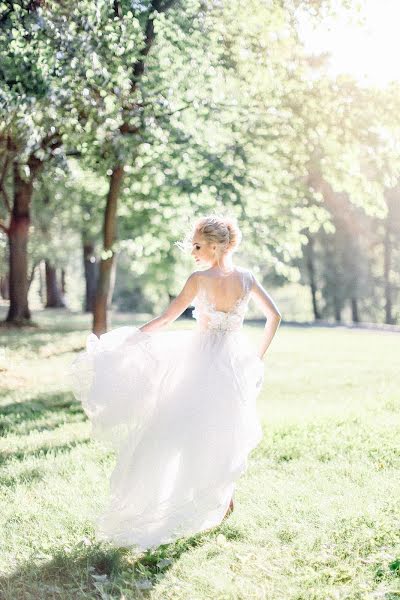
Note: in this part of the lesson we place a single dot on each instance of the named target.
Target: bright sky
(368, 52)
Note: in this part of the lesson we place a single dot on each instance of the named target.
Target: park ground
(317, 513)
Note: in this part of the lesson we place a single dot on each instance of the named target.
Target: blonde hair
(216, 229)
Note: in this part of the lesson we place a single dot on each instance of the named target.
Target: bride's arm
(176, 307)
(271, 312)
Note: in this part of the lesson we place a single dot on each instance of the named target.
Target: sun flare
(367, 51)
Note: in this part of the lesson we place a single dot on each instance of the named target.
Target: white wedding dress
(179, 407)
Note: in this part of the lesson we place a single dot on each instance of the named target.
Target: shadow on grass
(27, 477)
(35, 340)
(98, 569)
(46, 328)
(49, 324)
(24, 417)
(43, 450)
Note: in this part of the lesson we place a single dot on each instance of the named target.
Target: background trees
(120, 123)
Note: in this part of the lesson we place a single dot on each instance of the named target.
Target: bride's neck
(223, 264)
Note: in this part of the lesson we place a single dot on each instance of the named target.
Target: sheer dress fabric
(179, 409)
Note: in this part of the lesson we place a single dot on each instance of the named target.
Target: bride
(179, 406)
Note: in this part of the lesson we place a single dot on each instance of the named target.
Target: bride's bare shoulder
(195, 277)
(207, 274)
(202, 274)
(196, 274)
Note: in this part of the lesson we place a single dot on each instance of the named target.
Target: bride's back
(225, 291)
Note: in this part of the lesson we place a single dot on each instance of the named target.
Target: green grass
(317, 513)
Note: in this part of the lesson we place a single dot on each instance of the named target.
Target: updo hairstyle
(222, 231)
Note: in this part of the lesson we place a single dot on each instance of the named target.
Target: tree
(27, 135)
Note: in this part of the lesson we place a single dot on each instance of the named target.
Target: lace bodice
(209, 318)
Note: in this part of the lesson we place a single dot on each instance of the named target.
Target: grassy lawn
(317, 514)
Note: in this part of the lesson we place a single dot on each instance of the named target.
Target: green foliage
(223, 111)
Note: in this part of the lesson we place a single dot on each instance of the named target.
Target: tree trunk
(112, 281)
(32, 275)
(90, 270)
(18, 311)
(63, 285)
(102, 298)
(310, 265)
(53, 293)
(354, 310)
(387, 245)
(337, 309)
(63, 288)
(4, 287)
(42, 282)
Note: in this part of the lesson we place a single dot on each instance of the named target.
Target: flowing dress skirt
(179, 408)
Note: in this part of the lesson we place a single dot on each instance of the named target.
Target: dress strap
(247, 278)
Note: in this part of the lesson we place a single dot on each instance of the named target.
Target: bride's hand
(136, 337)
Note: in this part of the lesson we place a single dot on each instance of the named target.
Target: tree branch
(3, 174)
(4, 228)
(6, 199)
(155, 6)
(2, 189)
(117, 9)
(30, 279)
(173, 112)
(126, 128)
(51, 141)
